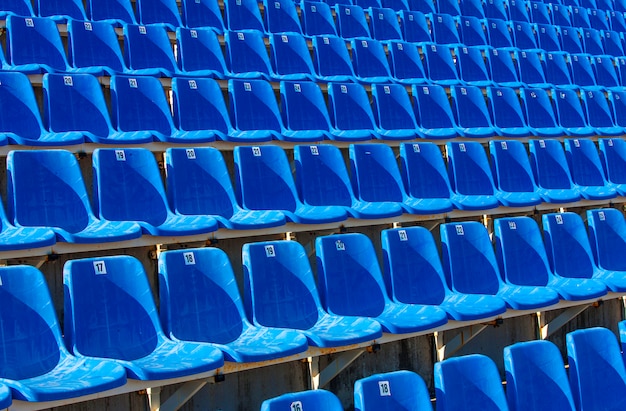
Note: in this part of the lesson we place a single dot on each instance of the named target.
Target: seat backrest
(349, 107)
(281, 16)
(158, 11)
(94, 44)
(253, 105)
(549, 164)
(120, 11)
(505, 108)
(470, 108)
(532, 367)
(607, 236)
(499, 33)
(530, 67)
(34, 40)
(348, 275)
(199, 49)
(290, 54)
(606, 74)
(596, 369)
(19, 112)
(279, 288)
(561, 14)
(612, 43)
(613, 155)
(468, 169)
(374, 173)
(199, 105)
(147, 47)
(404, 390)
(472, 31)
(598, 19)
(246, 52)
(582, 71)
(423, 170)
(571, 40)
(350, 21)
(518, 10)
(616, 19)
(473, 8)
(242, 15)
(424, 6)
(331, 56)
(511, 167)
(432, 108)
(470, 382)
(592, 41)
(557, 69)
(198, 182)
(597, 108)
(95, 324)
(317, 19)
(305, 400)
(303, 106)
(369, 59)
(584, 162)
(520, 252)
(405, 61)
(540, 12)
(568, 108)
(199, 298)
(17, 7)
(538, 109)
(450, 7)
(443, 28)
(414, 27)
(202, 13)
(392, 107)
(472, 65)
(128, 186)
(617, 103)
(61, 8)
(524, 34)
(46, 188)
(384, 24)
(413, 272)
(496, 9)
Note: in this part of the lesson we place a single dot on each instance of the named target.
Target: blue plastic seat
(351, 22)
(569, 111)
(440, 65)
(560, 14)
(598, 19)
(450, 7)
(414, 275)
(246, 55)
(471, 382)
(212, 310)
(281, 16)
(317, 19)
(350, 112)
(592, 41)
(530, 69)
(405, 63)
(254, 111)
(502, 70)
(524, 37)
(390, 391)
(20, 121)
(370, 61)
(617, 21)
(612, 43)
(617, 103)
(570, 253)
(571, 40)
(472, 66)
(539, 113)
(512, 175)
(433, 112)
(472, 31)
(499, 33)
(580, 17)
(242, 15)
(202, 13)
(472, 8)
(264, 182)
(540, 12)
(444, 30)
(522, 258)
(33, 45)
(280, 291)
(620, 66)
(118, 12)
(162, 12)
(128, 187)
(376, 178)
(384, 24)
(147, 51)
(290, 57)
(414, 27)
(596, 369)
(506, 112)
(200, 53)
(496, 9)
(344, 259)
(36, 365)
(16, 7)
(61, 10)
(607, 236)
(304, 112)
(551, 172)
(548, 37)
(470, 112)
(557, 70)
(470, 177)
(395, 119)
(470, 265)
(586, 169)
(305, 400)
(424, 6)
(95, 289)
(599, 113)
(198, 183)
(331, 59)
(536, 378)
(613, 156)
(606, 73)
(582, 71)
(519, 11)
(93, 47)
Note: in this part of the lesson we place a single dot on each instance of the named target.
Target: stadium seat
(212, 310)
(522, 259)
(281, 16)
(414, 27)
(570, 253)
(424, 6)
(444, 29)
(254, 111)
(592, 42)
(20, 121)
(470, 177)
(512, 175)
(264, 182)
(414, 275)
(557, 70)
(539, 113)
(322, 179)
(617, 103)
(304, 112)
(586, 169)
(519, 11)
(242, 15)
(540, 12)
(128, 187)
(551, 172)
(331, 59)
(605, 72)
(147, 51)
(580, 17)
(200, 53)
(118, 12)
(95, 290)
(470, 112)
(290, 57)
(524, 37)
(470, 382)
(450, 7)
(472, 66)
(391, 391)
(351, 22)
(582, 71)
(246, 55)
(569, 112)
(395, 119)
(530, 69)
(607, 234)
(405, 63)
(470, 265)
(433, 112)
(440, 64)
(370, 61)
(202, 14)
(620, 66)
(198, 183)
(596, 369)
(613, 156)
(384, 24)
(560, 15)
(496, 9)
(162, 12)
(536, 378)
(93, 47)
(499, 33)
(317, 19)
(599, 113)
(571, 40)
(502, 68)
(598, 19)
(506, 112)
(36, 365)
(280, 292)
(376, 178)
(60, 10)
(23, 238)
(16, 7)
(472, 31)
(305, 400)
(617, 22)
(612, 43)
(344, 259)
(548, 37)
(350, 112)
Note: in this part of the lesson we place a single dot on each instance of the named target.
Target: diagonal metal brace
(547, 329)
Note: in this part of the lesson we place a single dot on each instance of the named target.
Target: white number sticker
(190, 258)
(559, 219)
(512, 225)
(142, 30)
(132, 82)
(459, 229)
(314, 150)
(99, 267)
(416, 148)
(601, 216)
(193, 85)
(269, 251)
(339, 245)
(296, 406)
(462, 147)
(384, 388)
(120, 155)
(88, 26)
(504, 145)
(68, 81)
(256, 151)
(191, 153)
(402, 235)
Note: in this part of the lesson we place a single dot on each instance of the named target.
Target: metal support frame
(463, 337)
(179, 398)
(320, 378)
(547, 329)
